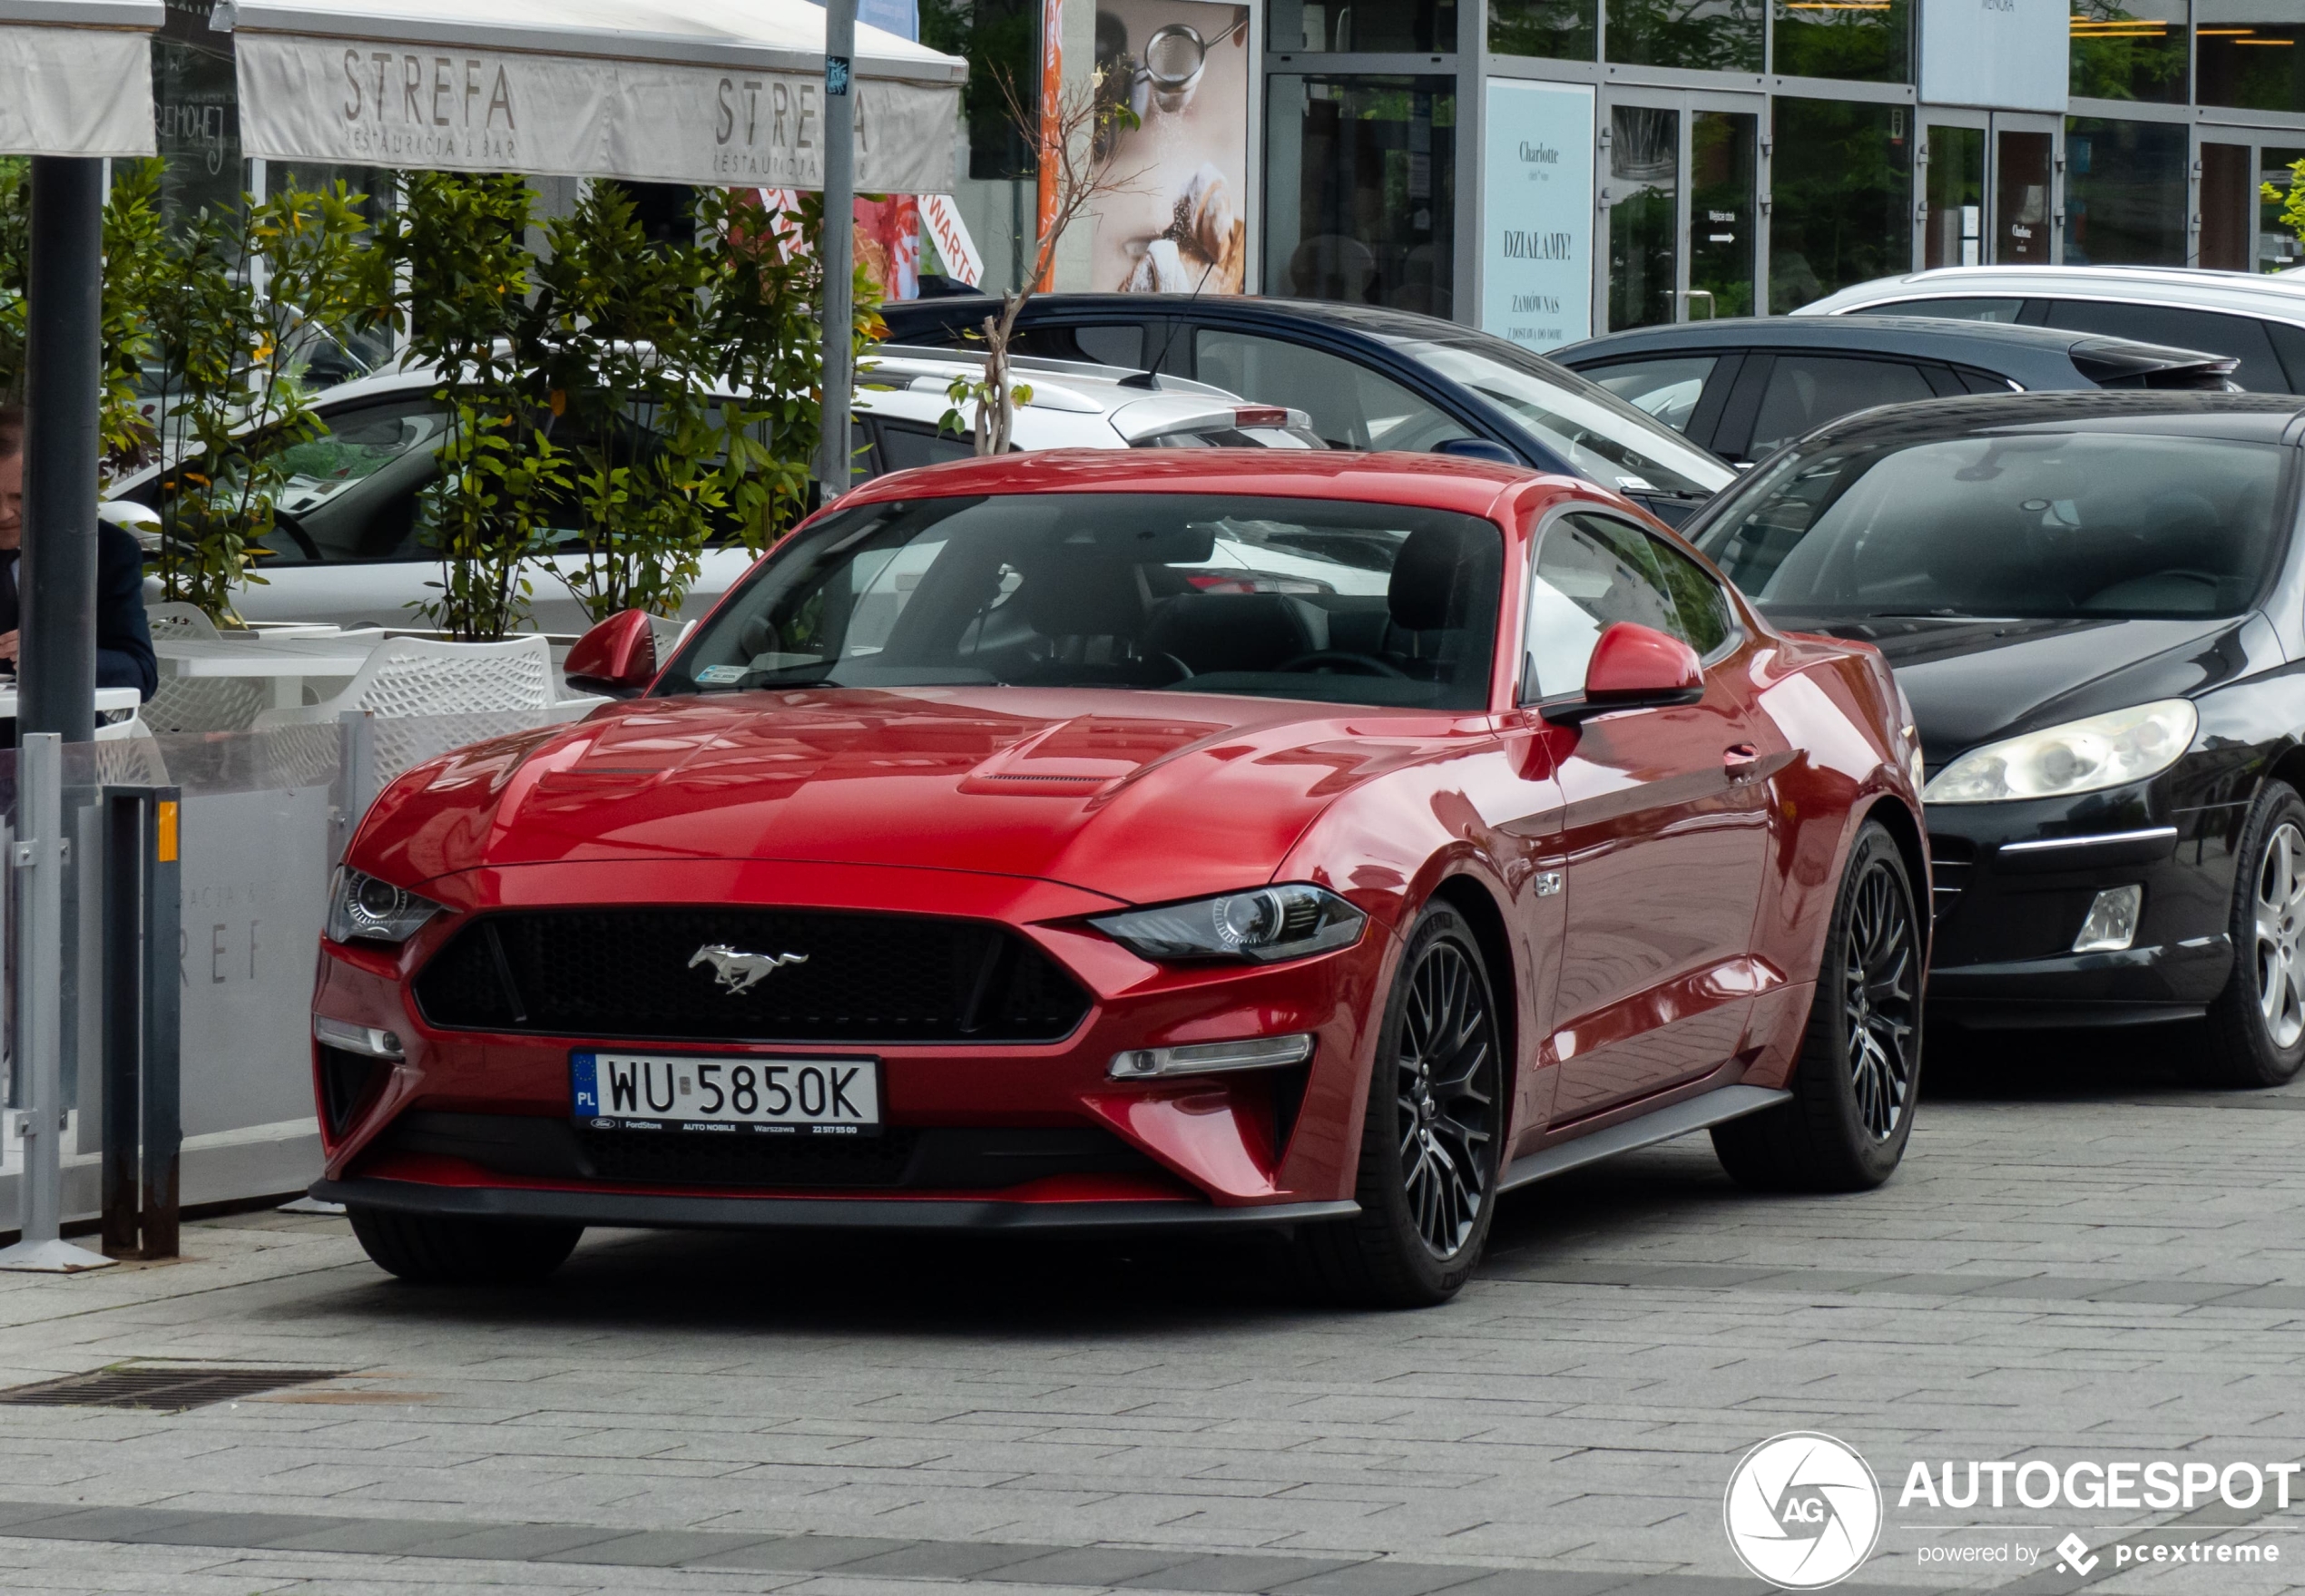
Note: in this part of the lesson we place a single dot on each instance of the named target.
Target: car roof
(2248, 417)
(2153, 284)
(1923, 336)
(1440, 482)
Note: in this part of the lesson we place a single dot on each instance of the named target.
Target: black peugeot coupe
(2095, 605)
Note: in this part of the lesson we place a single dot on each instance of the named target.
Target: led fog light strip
(361, 1039)
(1206, 1058)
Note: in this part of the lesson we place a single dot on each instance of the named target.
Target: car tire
(1858, 1078)
(1432, 1134)
(429, 1250)
(2256, 1026)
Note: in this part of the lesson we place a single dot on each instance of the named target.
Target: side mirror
(1633, 668)
(616, 657)
(1477, 449)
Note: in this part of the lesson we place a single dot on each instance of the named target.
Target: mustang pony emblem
(737, 971)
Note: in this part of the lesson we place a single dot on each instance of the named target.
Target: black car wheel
(427, 1250)
(1855, 1081)
(1430, 1141)
(2256, 1026)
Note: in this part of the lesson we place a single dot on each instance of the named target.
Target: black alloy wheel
(1880, 999)
(428, 1249)
(1433, 1134)
(1857, 1077)
(2256, 1026)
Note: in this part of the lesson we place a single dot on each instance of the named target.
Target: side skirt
(1716, 1107)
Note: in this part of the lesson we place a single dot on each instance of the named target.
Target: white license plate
(776, 1097)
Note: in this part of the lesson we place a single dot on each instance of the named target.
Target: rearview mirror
(1633, 668)
(616, 657)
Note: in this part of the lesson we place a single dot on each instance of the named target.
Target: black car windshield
(1281, 598)
(2023, 525)
(1602, 438)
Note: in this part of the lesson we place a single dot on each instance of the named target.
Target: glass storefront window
(1722, 36)
(2277, 247)
(2250, 51)
(1843, 182)
(1954, 234)
(2228, 206)
(2124, 193)
(1360, 200)
(1558, 30)
(2129, 50)
(1644, 207)
(1002, 41)
(1720, 212)
(1406, 25)
(2021, 181)
(1867, 41)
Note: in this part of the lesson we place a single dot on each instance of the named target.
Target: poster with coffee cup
(1180, 224)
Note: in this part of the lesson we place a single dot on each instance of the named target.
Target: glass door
(2024, 189)
(1679, 188)
(1952, 193)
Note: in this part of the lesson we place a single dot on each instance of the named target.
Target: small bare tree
(1077, 148)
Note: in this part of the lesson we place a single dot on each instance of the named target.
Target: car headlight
(2081, 756)
(362, 908)
(1261, 927)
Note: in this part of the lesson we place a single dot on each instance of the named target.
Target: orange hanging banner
(1052, 118)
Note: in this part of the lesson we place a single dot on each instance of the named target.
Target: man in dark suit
(124, 641)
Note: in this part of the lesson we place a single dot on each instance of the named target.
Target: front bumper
(1005, 1136)
(2007, 913)
(666, 1211)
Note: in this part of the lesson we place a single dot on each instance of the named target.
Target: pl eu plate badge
(586, 1068)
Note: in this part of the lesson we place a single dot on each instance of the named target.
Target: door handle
(1740, 761)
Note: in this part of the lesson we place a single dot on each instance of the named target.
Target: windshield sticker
(719, 675)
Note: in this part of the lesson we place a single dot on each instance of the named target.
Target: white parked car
(348, 546)
(2258, 319)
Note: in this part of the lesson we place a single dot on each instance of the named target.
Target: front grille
(678, 1158)
(919, 1158)
(1950, 860)
(893, 979)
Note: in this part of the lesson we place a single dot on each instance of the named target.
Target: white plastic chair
(178, 619)
(428, 697)
(205, 703)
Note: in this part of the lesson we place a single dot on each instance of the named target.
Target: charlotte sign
(464, 110)
(1537, 209)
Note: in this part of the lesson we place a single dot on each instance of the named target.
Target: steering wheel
(1353, 664)
(284, 521)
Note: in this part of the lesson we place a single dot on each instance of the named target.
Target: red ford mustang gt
(1323, 842)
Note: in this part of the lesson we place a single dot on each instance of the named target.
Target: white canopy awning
(717, 92)
(76, 76)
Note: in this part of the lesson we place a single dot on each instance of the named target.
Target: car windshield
(2021, 526)
(1598, 434)
(1274, 597)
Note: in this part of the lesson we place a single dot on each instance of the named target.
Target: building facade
(1554, 169)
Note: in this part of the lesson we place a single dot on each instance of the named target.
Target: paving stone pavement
(2083, 1259)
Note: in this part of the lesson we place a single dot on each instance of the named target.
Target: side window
(1808, 390)
(2210, 332)
(1951, 310)
(353, 491)
(1592, 573)
(1667, 388)
(1113, 346)
(1351, 406)
(907, 444)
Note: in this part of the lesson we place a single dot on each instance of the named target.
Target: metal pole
(39, 856)
(64, 290)
(124, 954)
(836, 248)
(163, 1009)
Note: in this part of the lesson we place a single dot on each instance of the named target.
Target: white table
(286, 662)
(108, 698)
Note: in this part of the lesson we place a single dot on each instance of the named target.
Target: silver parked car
(2258, 320)
(349, 547)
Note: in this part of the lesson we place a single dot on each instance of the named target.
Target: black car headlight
(362, 908)
(2080, 756)
(1263, 925)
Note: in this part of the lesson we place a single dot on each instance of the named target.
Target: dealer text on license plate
(776, 1097)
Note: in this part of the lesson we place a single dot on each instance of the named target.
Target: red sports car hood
(1139, 796)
